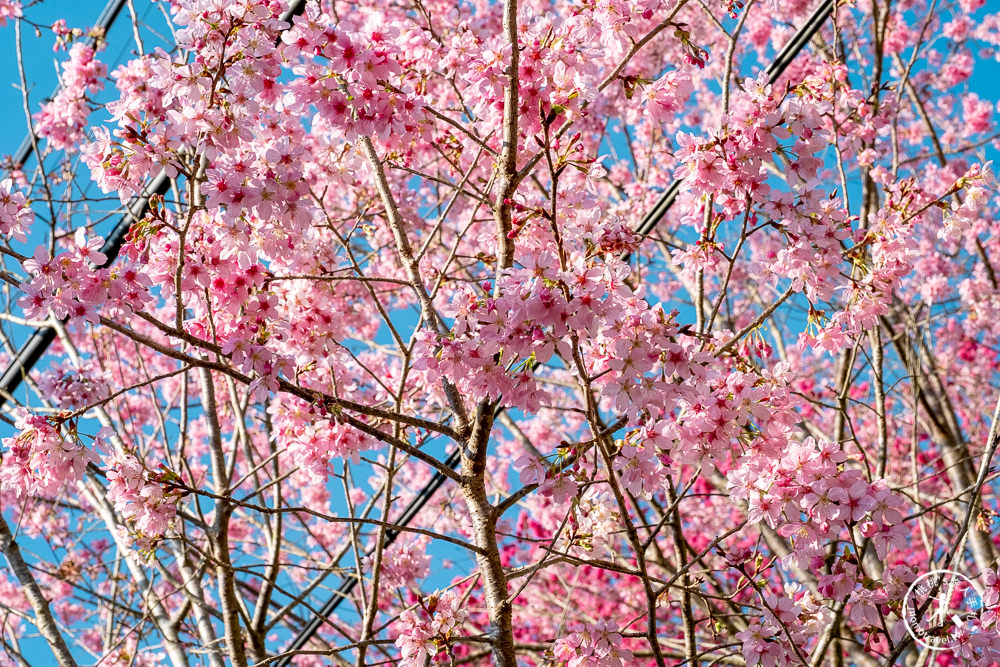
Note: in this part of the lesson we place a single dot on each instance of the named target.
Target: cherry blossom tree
(387, 374)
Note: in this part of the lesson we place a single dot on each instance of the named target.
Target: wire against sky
(648, 223)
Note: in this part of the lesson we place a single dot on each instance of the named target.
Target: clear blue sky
(41, 65)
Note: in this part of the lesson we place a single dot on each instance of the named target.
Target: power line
(34, 348)
(646, 225)
(106, 19)
(774, 70)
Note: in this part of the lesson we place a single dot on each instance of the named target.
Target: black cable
(107, 18)
(33, 349)
(349, 583)
(801, 38)
(774, 70)
(649, 221)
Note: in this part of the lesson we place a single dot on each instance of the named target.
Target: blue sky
(40, 60)
(41, 65)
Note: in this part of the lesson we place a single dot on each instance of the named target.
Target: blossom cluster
(41, 460)
(72, 387)
(405, 562)
(810, 495)
(424, 631)
(9, 9)
(139, 497)
(594, 645)
(70, 285)
(15, 214)
(62, 120)
(315, 443)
